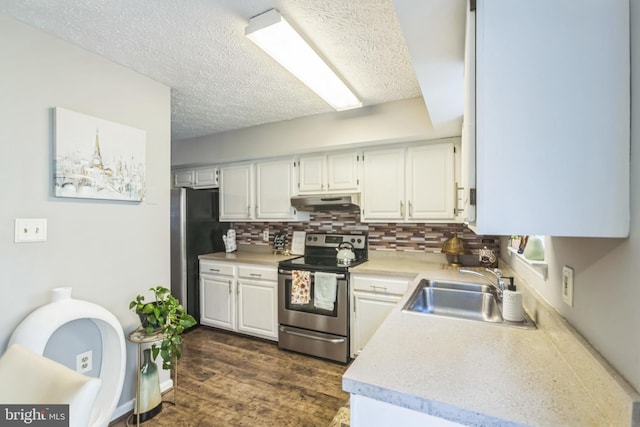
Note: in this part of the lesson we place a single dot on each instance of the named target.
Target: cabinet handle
(255, 274)
(401, 208)
(379, 288)
(256, 211)
(410, 209)
(249, 211)
(230, 287)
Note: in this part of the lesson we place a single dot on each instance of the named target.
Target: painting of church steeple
(98, 159)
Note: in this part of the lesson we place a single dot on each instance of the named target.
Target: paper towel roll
(512, 306)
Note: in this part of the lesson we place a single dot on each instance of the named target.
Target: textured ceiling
(219, 79)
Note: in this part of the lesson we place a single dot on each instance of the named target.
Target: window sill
(538, 267)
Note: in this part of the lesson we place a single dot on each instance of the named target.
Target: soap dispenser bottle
(512, 303)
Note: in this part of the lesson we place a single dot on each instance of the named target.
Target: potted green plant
(167, 316)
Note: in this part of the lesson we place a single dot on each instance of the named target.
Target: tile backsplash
(406, 237)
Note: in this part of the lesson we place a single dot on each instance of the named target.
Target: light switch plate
(29, 230)
(567, 285)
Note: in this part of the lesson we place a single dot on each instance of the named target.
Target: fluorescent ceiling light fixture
(271, 32)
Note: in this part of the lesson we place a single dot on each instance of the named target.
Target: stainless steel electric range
(313, 296)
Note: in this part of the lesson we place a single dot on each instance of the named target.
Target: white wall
(107, 251)
(399, 121)
(606, 309)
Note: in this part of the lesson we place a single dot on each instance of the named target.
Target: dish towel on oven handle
(300, 287)
(325, 289)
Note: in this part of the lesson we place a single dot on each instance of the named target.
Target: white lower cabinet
(239, 297)
(258, 301)
(217, 296)
(373, 299)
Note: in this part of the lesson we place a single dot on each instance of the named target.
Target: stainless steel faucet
(499, 285)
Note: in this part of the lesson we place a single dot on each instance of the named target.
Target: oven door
(308, 316)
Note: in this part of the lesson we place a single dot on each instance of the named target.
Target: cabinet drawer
(256, 272)
(212, 267)
(379, 284)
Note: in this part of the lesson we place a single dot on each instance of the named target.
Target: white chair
(31, 379)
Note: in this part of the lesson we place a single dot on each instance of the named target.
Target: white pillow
(29, 378)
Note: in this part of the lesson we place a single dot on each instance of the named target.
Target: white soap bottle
(512, 303)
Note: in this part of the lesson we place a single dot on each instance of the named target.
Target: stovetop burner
(321, 249)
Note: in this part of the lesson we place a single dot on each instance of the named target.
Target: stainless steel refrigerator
(195, 230)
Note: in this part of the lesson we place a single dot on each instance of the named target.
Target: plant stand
(140, 337)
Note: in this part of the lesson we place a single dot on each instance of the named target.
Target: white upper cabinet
(342, 171)
(333, 172)
(552, 117)
(430, 182)
(236, 195)
(410, 184)
(312, 175)
(274, 188)
(383, 185)
(207, 177)
(259, 191)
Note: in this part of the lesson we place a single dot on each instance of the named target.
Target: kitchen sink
(462, 300)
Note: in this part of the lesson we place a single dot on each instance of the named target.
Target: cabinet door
(206, 178)
(311, 175)
(183, 178)
(235, 192)
(383, 185)
(430, 182)
(369, 311)
(274, 188)
(217, 301)
(258, 308)
(552, 101)
(342, 171)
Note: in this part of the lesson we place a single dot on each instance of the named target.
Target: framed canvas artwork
(98, 159)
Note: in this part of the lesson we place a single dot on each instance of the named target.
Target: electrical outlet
(265, 235)
(29, 230)
(84, 361)
(567, 285)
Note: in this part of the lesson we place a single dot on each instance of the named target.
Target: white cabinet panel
(197, 178)
(274, 188)
(239, 297)
(312, 174)
(217, 301)
(183, 178)
(383, 185)
(373, 299)
(206, 178)
(332, 172)
(235, 192)
(552, 103)
(370, 310)
(257, 308)
(430, 182)
(342, 171)
(415, 183)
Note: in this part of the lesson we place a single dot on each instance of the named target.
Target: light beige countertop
(403, 264)
(475, 373)
(251, 254)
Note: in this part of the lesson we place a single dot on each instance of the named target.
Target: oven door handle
(287, 273)
(286, 330)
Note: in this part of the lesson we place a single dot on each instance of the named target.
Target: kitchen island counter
(475, 373)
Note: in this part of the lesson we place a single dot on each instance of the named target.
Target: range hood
(327, 202)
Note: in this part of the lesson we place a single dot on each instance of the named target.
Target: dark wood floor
(226, 379)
